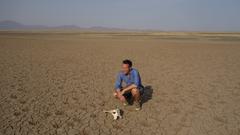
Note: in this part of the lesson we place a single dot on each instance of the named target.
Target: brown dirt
(59, 83)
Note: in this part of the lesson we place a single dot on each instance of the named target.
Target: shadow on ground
(147, 95)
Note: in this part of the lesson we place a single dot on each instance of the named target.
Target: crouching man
(131, 78)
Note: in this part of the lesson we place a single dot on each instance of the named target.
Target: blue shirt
(132, 78)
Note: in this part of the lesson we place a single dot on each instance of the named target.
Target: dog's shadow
(145, 96)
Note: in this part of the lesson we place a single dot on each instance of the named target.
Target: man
(133, 85)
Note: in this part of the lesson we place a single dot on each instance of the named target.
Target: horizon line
(98, 27)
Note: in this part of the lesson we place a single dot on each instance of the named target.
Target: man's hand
(120, 96)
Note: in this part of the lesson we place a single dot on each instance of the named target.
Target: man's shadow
(145, 96)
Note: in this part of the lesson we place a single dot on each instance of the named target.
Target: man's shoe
(125, 103)
(137, 105)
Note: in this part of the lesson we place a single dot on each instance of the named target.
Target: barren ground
(60, 82)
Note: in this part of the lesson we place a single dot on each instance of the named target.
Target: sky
(168, 15)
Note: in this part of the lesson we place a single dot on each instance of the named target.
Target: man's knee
(135, 91)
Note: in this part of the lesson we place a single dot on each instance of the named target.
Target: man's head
(126, 66)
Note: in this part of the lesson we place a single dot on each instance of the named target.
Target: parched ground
(59, 83)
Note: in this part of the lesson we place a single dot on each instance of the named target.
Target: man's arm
(118, 83)
(128, 88)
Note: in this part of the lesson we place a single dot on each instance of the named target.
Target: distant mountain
(100, 28)
(12, 25)
(66, 27)
(15, 25)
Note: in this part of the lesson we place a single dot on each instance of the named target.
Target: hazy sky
(212, 15)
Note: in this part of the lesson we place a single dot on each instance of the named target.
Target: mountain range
(13, 25)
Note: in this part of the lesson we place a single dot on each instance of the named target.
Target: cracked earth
(59, 84)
